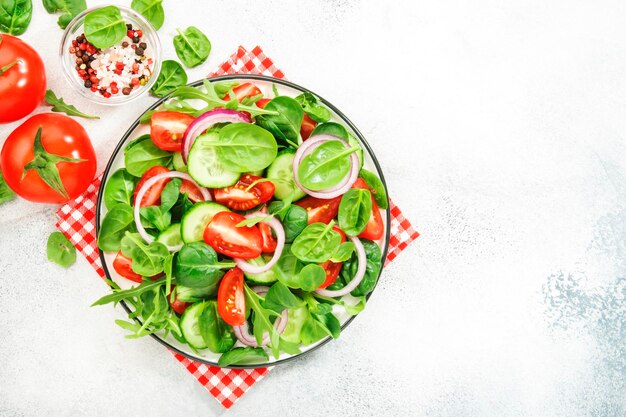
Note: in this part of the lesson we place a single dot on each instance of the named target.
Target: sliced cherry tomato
(223, 235)
(244, 90)
(177, 305)
(269, 241)
(231, 301)
(193, 192)
(239, 197)
(307, 127)
(332, 268)
(167, 129)
(320, 210)
(153, 195)
(375, 228)
(262, 103)
(123, 266)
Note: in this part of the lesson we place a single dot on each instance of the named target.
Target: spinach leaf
(351, 309)
(6, 194)
(285, 125)
(172, 75)
(294, 219)
(119, 189)
(326, 166)
(217, 335)
(373, 265)
(318, 326)
(279, 297)
(196, 265)
(148, 259)
(296, 318)
(70, 9)
(317, 243)
(246, 147)
(152, 10)
(117, 221)
(243, 356)
(15, 16)
(144, 155)
(355, 210)
(192, 46)
(193, 295)
(104, 27)
(343, 252)
(59, 105)
(262, 322)
(310, 277)
(60, 250)
(310, 105)
(160, 216)
(136, 141)
(288, 267)
(331, 128)
(376, 187)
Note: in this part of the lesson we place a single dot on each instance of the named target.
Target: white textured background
(500, 128)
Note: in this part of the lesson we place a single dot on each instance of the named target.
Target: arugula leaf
(60, 250)
(59, 105)
(262, 320)
(118, 295)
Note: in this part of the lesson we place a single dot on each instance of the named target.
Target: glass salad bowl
(267, 86)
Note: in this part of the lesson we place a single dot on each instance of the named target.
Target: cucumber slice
(193, 295)
(296, 319)
(204, 165)
(179, 164)
(264, 277)
(171, 235)
(281, 172)
(352, 141)
(195, 220)
(189, 326)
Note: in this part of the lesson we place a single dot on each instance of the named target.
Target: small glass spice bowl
(114, 75)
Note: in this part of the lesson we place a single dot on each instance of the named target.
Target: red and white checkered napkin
(77, 220)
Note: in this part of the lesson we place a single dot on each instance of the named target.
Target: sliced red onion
(207, 120)
(243, 333)
(309, 146)
(280, 244)
(146, 186)
(360, 273)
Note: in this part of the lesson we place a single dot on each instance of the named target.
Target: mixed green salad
(248, 223)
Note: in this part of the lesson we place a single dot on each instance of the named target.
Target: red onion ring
(243, 333)
(280, 244)
(146, 186)
(207, 120)
(360, 273)
(309, 146)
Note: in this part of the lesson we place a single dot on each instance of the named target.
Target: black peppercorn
(126, 90)
(88, 84)
(85, 59)
(136, 39)
(129, 26)
(124, 44)
(143, 45)
(139, 51)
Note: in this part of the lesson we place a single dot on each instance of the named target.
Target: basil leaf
(15, 16)
(326, 166)
(172, 75)
(376, 187)
(246, 147)
(355, 210)
(217, 335)
(279, 298)
(285, 125)
(343, 252)
(243, 356)
(144, 155)
(105, 27)
(373, 265)
(192, 46)
(196, 265)
(69, 9)
(59, 105)
(60, 250)
(117, 221)
(6, 194)
(152, 10)
(317, 243)
(119, 189)
(310, 105)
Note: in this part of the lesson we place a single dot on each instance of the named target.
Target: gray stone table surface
(500, 128)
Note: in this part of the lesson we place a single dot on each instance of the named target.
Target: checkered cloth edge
(77, 221)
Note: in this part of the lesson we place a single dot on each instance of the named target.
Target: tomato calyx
(45, 164)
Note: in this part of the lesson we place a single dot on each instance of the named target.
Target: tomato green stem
(7, 67)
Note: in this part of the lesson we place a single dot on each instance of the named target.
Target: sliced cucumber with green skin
(295, 320)
(266, 277)
(205, 166)
(171, 235)
(192, 295)
(189, 326)
(281, 172)
(195, 220)
(352, 141)
(179, 164)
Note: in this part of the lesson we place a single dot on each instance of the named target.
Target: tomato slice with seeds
(167, 129)
(193, 192)
(269, 241)
(244, 90)
(375, 227)
(243, 195)
(153, 195)
(320, 210)
(223, 235)
(123, 266)
(307, 126)
(231, 301)
(332, 269)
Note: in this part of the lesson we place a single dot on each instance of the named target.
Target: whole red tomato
(23, 81)
(48, 159)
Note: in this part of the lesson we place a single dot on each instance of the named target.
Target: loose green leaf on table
(105, 27)
(6, 194)
(192, 46)
(152, 10)
(60, 250)
(355, 210)
(15, 16)
(172, 75)
(69, 9)
(59, 105)
(243, 356)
